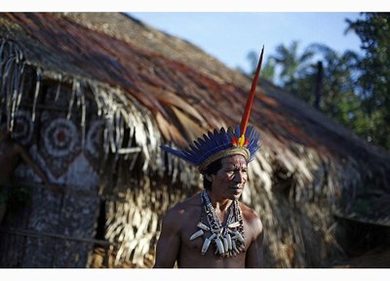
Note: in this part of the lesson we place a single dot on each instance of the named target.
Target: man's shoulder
(248, 212)
(186, 205)
(182, 210)
(251, 217)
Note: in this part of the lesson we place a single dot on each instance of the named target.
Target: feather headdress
(243, 139)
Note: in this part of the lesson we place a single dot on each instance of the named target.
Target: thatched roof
(168, 90)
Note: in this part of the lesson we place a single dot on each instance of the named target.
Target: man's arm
(168, 244)
(254, 255)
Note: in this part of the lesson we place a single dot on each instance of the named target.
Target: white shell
(206, 243)
(234, 247)
(219, 244)
(225, 244)
(234, 224)
(196, 234)
(203, 226)
(205, 246)
(238, 236)
(229, 240)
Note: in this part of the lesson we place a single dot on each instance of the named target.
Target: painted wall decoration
(93, 143)
(60, 137)
(23, 127)
(55, 146)
(59, 144)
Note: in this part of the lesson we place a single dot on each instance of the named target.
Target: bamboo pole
(35, 234)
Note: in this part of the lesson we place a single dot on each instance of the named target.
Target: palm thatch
(150, 88)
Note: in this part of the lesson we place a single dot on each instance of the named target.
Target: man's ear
(209, 178)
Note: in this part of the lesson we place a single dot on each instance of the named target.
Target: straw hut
(93, 95)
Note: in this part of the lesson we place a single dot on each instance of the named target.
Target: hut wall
(46, 228)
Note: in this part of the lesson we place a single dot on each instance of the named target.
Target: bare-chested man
(212, 228)
(181, 222)
(11, 153)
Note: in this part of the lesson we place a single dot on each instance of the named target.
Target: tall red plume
(249, 102)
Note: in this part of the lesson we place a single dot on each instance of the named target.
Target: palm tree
(268, 69)
(339, 76)
(292, 64)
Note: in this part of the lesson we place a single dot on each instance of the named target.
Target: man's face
(229, 181)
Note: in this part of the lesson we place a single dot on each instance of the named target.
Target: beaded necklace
(228, 238)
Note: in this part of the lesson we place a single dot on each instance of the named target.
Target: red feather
(249, 102)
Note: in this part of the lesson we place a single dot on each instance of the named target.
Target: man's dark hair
(211, 169)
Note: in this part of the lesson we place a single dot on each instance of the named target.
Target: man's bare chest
(204, 247)
(191, 252)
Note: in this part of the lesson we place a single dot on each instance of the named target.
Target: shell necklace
(228, 238)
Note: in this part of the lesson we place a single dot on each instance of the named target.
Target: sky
(229, 37)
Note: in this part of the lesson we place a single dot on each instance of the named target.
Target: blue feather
(215, 141)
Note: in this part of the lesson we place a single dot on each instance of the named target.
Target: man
(212, 228)
(11, 153)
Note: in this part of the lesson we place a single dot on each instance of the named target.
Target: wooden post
(318, 85)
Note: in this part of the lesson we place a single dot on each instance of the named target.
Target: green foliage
(354, 90)
(293, 64)
(268, 69)
(374, 32)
